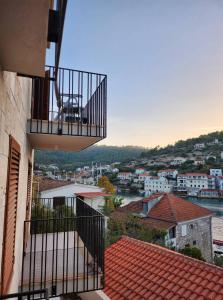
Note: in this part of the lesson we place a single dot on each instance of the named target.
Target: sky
(164, 62)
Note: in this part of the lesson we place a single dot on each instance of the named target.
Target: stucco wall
(15, 101)
(201, 233)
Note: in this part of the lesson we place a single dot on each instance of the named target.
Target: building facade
(170, 173)
(39, 111)
(154, 184)
(125, 176)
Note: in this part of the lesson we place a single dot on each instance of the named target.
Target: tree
(104, 183)
(117, 201)
(132, 227)
(192, 252)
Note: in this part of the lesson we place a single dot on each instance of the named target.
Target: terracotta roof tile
(174, 209)
(139, 270)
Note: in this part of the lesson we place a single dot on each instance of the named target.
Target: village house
(125, 176)
(186, 224)
(211, 182)
(45, 107)
(182, 183)
(154, 184)
(177, 161)
(192, 182)
(199, 146)
(143, 177)
(216, 172)
(140, 270)
(199, 162)
(170, 173)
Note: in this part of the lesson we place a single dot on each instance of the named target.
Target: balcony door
(41, 92)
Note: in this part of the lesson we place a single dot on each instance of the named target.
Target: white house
(142, 177)
(177, 161)
(199, 146)
(192, 182)
(125, 175)
(181, 182)
(154, 184)
(216, 172)
(171, 173)
(199, 162)
(211, 182)
(70, 190)
(196, 181)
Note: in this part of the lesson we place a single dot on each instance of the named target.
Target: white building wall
(15, 101)
(159, 184)
(216, 172)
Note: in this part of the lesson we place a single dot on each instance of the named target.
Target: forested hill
(109, 154)
(100, 154)
(182, 148)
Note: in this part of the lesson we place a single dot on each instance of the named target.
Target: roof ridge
(170, 205)
(169, 250)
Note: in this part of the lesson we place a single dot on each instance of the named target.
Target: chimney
(148, 204)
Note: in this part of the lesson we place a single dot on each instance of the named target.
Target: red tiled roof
(174, 209)
(93, 194)
(167, 170)
(48, 184)
(139, 270)
(196, 174)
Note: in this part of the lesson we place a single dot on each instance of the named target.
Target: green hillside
(183, 148)
(103, 154)
(109, 154)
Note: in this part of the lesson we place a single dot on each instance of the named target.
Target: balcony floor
(73, 270)
(74, 137)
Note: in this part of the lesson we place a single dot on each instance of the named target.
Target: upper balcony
(26, 30)
(68, 110)
(63, 248)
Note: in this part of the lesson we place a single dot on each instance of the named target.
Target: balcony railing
(65, 250)
(26, 295)
(69, 102)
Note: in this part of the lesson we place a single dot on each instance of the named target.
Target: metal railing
(26, 295)
(93, 238)
(64, 254)
(69, 102)
(49, 208)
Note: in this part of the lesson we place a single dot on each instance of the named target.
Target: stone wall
(15, 101)
(199, 231)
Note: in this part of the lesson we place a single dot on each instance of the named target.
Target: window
(10, 214)
(184, 230)
(194, 243)
(191, 226)
(172, 232)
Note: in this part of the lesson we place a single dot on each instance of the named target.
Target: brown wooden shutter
(10, 214)
(28, 201)
(41, 97)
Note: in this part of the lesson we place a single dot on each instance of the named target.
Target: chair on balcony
(71, 110)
